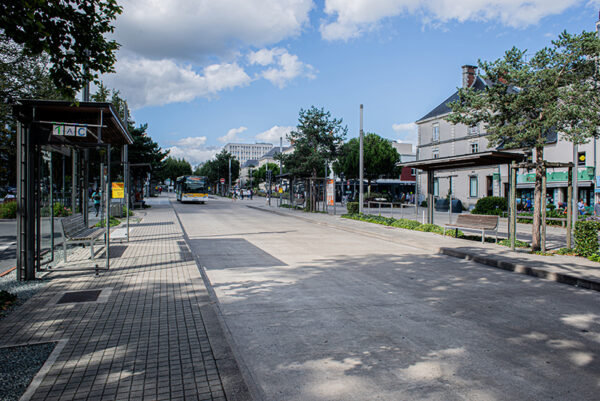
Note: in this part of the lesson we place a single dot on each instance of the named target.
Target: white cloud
(407, 132)
(285, 68)
(273, 134)
(193, 150)
(145, 82)
(232, 134)
(185, 29)
(350, 18)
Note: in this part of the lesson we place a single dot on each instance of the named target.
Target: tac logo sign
(69, 130)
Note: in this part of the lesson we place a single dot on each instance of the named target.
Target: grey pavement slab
(358, 316)
(561, 268)
(148, 339)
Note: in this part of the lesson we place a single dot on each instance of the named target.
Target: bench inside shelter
(75, 231)
(476, 222)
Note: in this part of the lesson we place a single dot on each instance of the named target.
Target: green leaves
(317, 140)
(71, 32)
(380, 157)
(527, 98)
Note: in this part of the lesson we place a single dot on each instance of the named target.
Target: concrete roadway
(317, 313)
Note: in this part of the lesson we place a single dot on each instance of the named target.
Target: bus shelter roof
(489, 158)
(100, 121)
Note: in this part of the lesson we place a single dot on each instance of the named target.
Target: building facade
(248, 151)
(439, 138)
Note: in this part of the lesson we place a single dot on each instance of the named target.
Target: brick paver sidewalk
(152, 334)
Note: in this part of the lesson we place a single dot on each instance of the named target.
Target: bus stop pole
(126, 179)
(108, 187)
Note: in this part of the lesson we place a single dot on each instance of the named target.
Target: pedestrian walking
(96, 197)
(597, 208)
(251, 192)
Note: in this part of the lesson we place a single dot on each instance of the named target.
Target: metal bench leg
(92, 249)
(64, 245)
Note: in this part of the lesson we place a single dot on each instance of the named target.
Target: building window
(435, 153)
(473, 130)
(435, 137)
(474, 147)
(413, 172)
(473, 187)
(436, 187)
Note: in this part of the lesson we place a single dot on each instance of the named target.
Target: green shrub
(352, 207)
(113, 222)
(491, 205)
(424, 203)
(518, 244)
(430, 228)
(565, 251)
(586, 237)
(406, 223)
(594, 258)
(61, 211)
(8, 210)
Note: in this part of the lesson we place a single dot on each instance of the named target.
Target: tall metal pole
(513, 204)
(575, 184)
(229, 183)
(280, 177)
(126, 179)
(361, 164)
(569, 206)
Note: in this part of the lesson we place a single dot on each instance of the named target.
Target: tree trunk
(538, 202)
(313, 190)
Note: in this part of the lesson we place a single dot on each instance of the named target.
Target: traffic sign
(222, 180)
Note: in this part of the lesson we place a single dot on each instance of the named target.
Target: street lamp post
(361, 164)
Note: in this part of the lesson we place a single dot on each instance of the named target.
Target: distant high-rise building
(248, 151)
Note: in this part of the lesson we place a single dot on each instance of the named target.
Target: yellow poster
(118, 190)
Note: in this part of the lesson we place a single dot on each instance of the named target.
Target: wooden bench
(74, 231)
(477, 222)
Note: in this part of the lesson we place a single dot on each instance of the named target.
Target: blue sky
(204, 73)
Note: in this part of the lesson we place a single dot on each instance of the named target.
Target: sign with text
(330, 192)
(118, 190)
(69, 130)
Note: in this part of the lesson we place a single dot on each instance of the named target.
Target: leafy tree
(380, 158)
(71, 32)
(219, 168)
(173, 168)
(145, 150)
(260, 175)
(22, 75)
(317, 140)
(555, 90)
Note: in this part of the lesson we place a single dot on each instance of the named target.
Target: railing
(563, 220)
(391, 207)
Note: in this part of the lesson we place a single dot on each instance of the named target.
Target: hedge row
(400, 223)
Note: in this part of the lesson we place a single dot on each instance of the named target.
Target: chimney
(469, 72)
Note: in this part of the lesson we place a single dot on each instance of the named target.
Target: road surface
(317, 313)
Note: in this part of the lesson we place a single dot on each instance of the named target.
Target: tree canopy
(317, 140)
(260, 174)
(173, 168)
(218, 168)
(22, 75)
(380, 158)
(528, 98)
(72, 34)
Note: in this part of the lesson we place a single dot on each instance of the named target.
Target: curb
(497, 262)
(502, 263)
(236, 378)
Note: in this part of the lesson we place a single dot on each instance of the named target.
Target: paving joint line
(252, 387)
(496, 262)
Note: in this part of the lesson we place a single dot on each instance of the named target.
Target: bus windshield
(194, 184)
